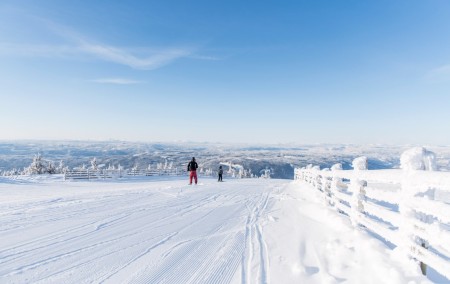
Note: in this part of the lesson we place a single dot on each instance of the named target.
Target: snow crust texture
(154, 231)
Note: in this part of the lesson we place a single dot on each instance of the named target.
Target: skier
(192, 167)
(220, 173)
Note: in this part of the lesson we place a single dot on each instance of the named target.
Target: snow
(360, 164)
(164, 231)
(418, 158)
(417, 192)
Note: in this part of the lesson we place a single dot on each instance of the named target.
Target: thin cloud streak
(157, 59)
(121, 56)
(77, 44)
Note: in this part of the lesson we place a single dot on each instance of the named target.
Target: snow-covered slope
(165, 231)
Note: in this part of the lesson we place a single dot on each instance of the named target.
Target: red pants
(193, 175)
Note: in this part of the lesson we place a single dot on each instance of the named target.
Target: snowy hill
(280, 159)
(165, 231)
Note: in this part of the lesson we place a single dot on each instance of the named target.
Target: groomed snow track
(159, 232)
(153, 231)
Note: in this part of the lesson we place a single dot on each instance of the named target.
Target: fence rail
(90, 174)
(409, 208)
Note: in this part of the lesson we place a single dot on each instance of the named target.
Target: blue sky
(226, 71)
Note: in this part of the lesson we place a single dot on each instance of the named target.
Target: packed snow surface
(165, 231)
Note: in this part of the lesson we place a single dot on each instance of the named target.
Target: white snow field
(165, 231)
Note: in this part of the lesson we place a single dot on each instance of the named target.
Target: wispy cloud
(116, 81)
(155, 58)
(124, 57)
(73, 43)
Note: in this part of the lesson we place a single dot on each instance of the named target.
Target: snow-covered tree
(50, 168)
(94, 165)
(37, 167)
(13, 172)
(265, 173)
(62, 169)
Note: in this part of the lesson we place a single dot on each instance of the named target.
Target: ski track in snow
(159, 234)
(241, 231)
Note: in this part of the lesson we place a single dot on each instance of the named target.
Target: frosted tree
(62, 168)
(51, 169)
(94, 165)
(13, 172)
(265, 173)
(37, 167)
(135, 170)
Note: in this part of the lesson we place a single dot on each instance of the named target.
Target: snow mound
(418, 158)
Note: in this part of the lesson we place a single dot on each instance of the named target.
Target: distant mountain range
(280, 159)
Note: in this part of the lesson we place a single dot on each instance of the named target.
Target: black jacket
(192, 166)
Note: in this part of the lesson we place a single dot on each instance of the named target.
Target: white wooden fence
(89, 174)
(409, 208)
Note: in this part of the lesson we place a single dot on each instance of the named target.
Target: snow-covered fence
(90, 174)
(155, 172)
(409, 208)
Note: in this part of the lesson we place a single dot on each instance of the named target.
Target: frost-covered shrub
(360, 164)
(50, 168)
(62, 168)
(418, 158)
(13, 172)
(40, 166)
(94, 165)
(336, 167)
(37, 167)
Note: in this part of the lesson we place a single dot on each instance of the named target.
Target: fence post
(326, 187)
(308, 177)
(357, 187)
(411, 161)
(335, 180)
(315, 177)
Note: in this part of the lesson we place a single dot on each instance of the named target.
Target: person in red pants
(192, 167)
